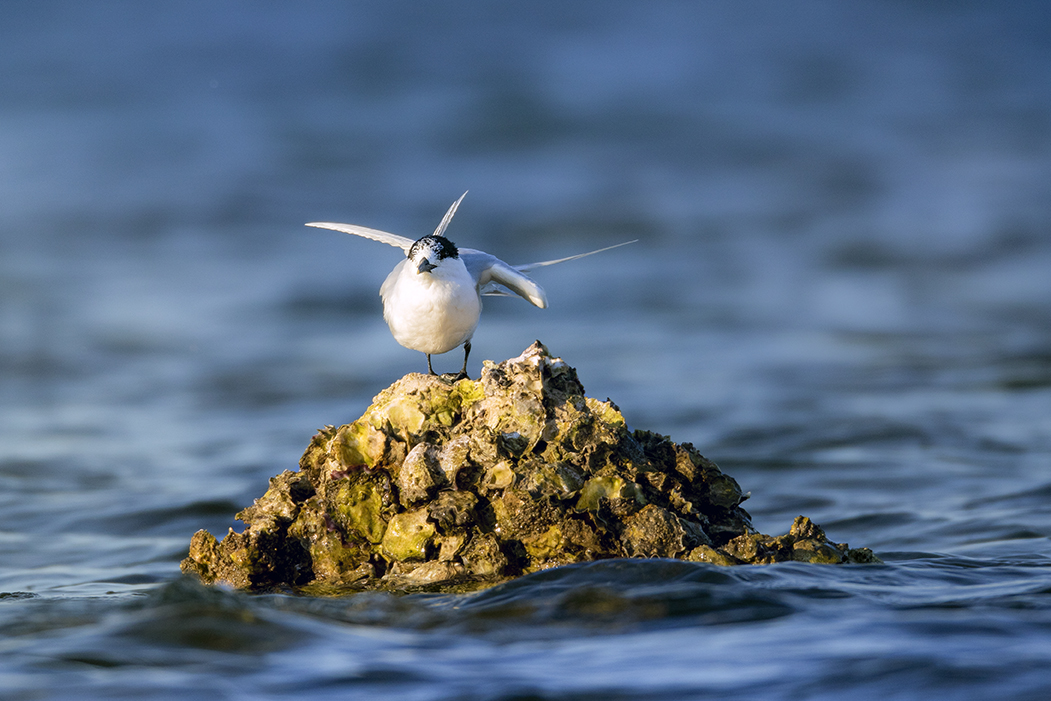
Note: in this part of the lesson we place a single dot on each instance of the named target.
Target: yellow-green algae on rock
(443, 485)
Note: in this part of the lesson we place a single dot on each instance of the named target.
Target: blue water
(841, 294)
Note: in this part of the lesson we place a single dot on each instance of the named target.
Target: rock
(441, 485)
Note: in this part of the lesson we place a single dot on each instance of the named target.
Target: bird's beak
(425, 266)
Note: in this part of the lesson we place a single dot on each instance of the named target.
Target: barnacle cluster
(441, 485)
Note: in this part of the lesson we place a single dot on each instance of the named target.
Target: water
(840, 294)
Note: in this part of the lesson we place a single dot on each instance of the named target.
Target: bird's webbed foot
(462, 375)
(448, 376)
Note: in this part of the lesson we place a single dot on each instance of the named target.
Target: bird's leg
(429, 368)
(466, 352)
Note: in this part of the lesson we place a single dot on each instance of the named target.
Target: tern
(432, 300)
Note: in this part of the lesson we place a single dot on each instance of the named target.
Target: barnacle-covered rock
(442, 485)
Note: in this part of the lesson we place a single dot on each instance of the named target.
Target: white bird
(432, 300)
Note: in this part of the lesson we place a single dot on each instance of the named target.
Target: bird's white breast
(431, 312)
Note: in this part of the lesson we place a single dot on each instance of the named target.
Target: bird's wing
(374, 234)
(530, 266)
(384, 237)
(489, 271)
(448, 216)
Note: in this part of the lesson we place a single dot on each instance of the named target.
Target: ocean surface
(841, 294)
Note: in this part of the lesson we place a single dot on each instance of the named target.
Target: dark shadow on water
(604, 597)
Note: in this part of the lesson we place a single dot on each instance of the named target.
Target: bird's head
(428, 253)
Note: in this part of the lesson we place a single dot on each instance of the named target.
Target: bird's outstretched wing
(448, 216)
(384, 237)
(375, 234)
(489, 271)
(530, 266)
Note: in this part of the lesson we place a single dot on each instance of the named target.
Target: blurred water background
(841, 294)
